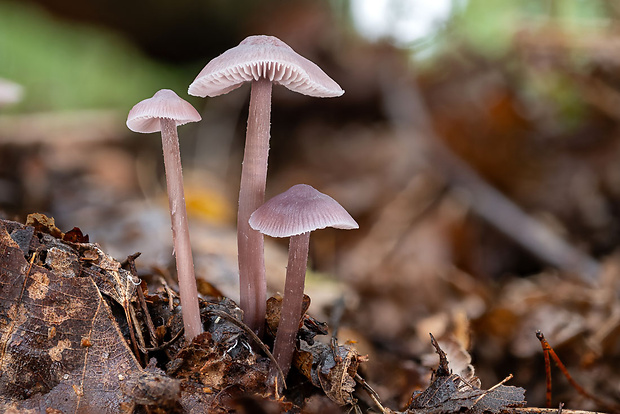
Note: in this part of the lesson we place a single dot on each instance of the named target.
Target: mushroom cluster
(263, 61)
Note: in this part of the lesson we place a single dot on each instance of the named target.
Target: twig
(169, 292)
(536, 410)
(547, 370)
(372, 393)
(165, 344)
(398, 218)
(149, 322)
(415, 217)
(336, 316)
(32, 259)
(549, 350)
(502, 382)
(407, 111)
(132, 334)
(443, 369)
(133, 327)
(131, 263)
(334, 322)
(136, 325)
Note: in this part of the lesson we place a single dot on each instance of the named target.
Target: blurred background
(477, 145)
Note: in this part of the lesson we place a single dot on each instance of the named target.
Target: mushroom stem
(290, 315)
(180, 229)
(253, 285)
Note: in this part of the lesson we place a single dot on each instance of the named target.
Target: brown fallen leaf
(446, 394)
(450, 393)
(332, 370)
(75, 235)
(43, 224)
(500, 399)
(48, 309)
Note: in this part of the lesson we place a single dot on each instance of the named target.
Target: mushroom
(164, 112)
(10, 92)
(262, 60)
(295, 213)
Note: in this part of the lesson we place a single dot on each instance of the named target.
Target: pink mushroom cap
(298, 210)
(263, 57)
(145, 115)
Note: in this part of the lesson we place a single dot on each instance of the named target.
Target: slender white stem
(290, 315)
(253, 285)
(180, 229)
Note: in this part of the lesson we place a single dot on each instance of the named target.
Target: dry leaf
(49, 307)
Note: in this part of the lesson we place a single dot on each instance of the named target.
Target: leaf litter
(67, 321)
(71, 312)
(76, 338)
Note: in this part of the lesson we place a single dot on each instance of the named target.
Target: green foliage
(490, 26)
(490, 30)
(64, 65)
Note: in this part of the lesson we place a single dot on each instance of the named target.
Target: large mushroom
(164, 112)
(262, 60)
(295, 213)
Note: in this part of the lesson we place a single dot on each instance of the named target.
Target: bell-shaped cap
(298, 210)
(263, 57)
(145, 115)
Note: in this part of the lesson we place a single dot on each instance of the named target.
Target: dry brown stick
(443, 369)
(131, 262)
(133, 327)
(136, 324)
(165, 344)
(549, 350)
(409, 116)
(502, 382)
(149, 322)
(547, 369)
(169, 292)
(132, 334)
(372, 393)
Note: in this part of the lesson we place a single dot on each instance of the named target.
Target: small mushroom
(262, 60)
(295, 213)
(10, 92)
(164, 112)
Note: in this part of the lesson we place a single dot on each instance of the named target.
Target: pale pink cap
(145, 115)
(263, 57)
(298, 210)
